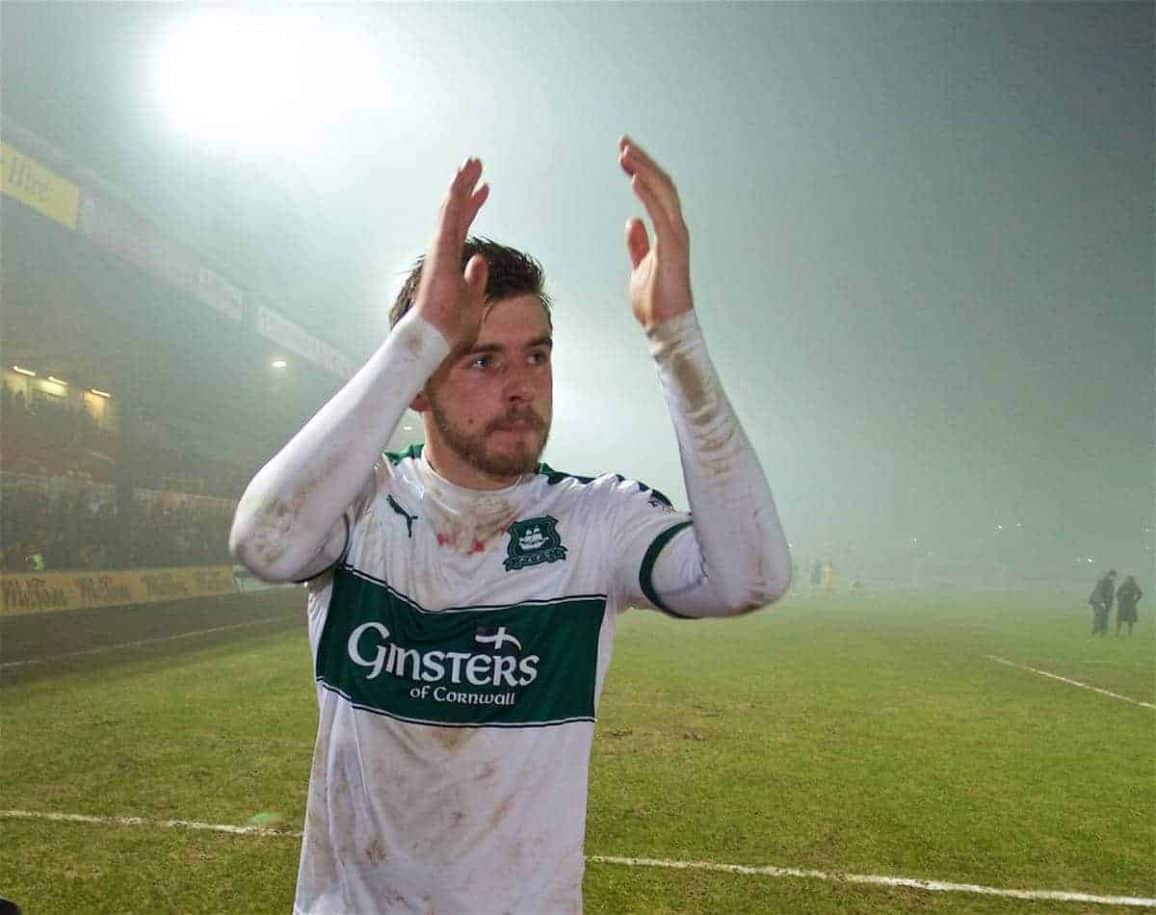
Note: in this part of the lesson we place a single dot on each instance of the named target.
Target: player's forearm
(742, 556)
(290, 507)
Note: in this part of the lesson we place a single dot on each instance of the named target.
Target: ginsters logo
(509, 665)
(447, 676)
(533, 542)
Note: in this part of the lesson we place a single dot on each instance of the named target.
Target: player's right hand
(449, 297)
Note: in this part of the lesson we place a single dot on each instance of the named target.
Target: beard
(474, 449)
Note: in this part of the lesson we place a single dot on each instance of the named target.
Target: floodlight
(279, 363)
(262, 81)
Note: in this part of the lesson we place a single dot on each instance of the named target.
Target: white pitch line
(935, 886)
(141, 821)
(44, 659)
(1095, 689)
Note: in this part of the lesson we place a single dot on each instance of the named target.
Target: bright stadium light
(260, 81)
(279, 363)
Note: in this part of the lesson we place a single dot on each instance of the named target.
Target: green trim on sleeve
(647, 569)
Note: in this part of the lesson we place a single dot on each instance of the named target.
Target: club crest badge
(533, 542)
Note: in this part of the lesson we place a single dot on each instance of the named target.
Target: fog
(922, 247)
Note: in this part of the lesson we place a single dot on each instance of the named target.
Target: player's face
(492, 404)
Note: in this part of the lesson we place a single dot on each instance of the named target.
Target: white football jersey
(460, 647)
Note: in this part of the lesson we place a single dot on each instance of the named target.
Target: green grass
(862, 735)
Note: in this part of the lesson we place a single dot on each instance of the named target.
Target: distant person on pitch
(463, 596)
(1101, 602)
(1127, 597)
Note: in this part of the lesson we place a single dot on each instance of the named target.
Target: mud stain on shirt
(323, 866)
(452, 738)
(272, 526)
(717, 448)
(691, 382)
(413, 345)
(707, 414)
(477, 531)
(276, 520)
(500, 812)
(375, 852)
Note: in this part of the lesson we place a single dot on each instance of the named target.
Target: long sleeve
(734, 556)
(289, 522)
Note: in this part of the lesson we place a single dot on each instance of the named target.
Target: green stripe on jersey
(520, 665)
(646, 571)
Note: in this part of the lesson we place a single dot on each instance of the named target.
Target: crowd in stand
(160, 463)
(45, 529)
(49, 438)
(58, 499)
(186, 533)
(44, 437)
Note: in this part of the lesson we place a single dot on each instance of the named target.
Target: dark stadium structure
(142, 388)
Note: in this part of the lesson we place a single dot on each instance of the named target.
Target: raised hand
(660, 278)
(448, 297)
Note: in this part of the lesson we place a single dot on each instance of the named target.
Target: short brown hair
(511, 273)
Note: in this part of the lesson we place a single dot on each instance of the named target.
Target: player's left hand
(660, 278)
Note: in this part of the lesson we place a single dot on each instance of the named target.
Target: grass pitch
(846, 735)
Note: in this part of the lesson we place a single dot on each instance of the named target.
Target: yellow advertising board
(44, 592)
(23, 178)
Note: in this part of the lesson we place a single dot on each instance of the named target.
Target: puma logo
(409, 519)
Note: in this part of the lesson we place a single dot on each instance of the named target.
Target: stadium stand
(139, 394)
